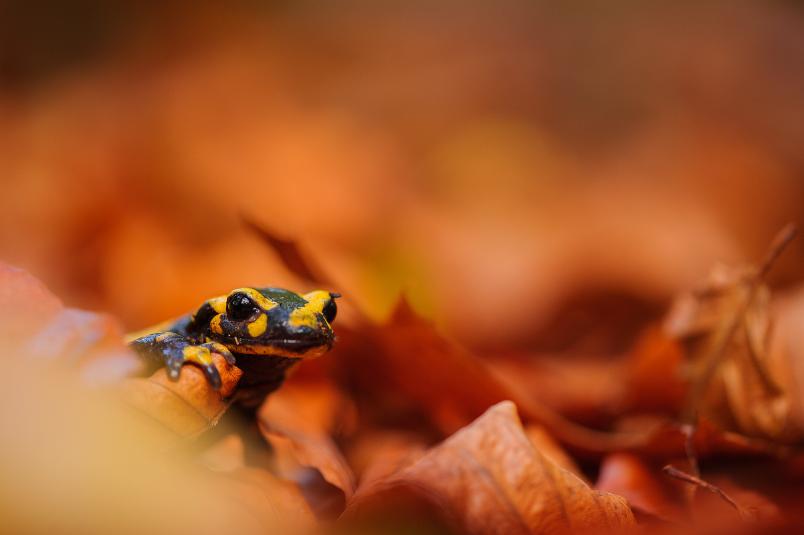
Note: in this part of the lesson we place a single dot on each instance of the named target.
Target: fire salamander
(263, 331)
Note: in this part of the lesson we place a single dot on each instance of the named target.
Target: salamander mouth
(278, 347)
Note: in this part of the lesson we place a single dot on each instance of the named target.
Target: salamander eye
(240, 307)
(330, 310)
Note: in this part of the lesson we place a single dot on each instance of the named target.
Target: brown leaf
(725, 326)
(582, 388)
(785, 359)
(552, 450)
(186, 407)
(290, 254)
(491, 479)
(92, 344)
(653, 379)
(298, 422)
(650, 490)
(376, 455)
(276, 506)
(660, 438)
(721, 504)
(407, 365)
(641, 484)
(710, 508)
(734, 377)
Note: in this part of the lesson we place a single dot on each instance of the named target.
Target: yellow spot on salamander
(258, 327)
(215, 325)
(218, 304)
(198, 354)
(307, 315)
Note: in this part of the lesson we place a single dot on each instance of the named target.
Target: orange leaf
(552, 450)
(35, 324)
(406, 364)
(187, 407)
(275, 506)
(377, 454)
(290, 255)
(654, 376)
(298, 422)
(645, 487)
(491, 479)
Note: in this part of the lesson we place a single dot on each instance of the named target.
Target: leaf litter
(408, 419)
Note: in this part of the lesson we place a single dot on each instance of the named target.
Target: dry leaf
(407, 365)
(186, 407)
(712, 510)
(491, 479)
(644, 486)
(407, 369)
(582, 388)
(732, 378)
(654, 379)
(45, 333)
(298, 422)
(551, 449)
(276, 506)
(290, 255)
(661, 438)
(376, 455)
(785, 363)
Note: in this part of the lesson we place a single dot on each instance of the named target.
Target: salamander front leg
(174, 350)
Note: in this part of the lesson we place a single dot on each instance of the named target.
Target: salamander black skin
(264, 331)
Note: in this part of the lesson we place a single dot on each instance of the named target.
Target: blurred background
(515, 168)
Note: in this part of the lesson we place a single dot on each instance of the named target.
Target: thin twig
(780, 241)
(672, 471)
(770, 386)
(715, 353)
(689, 431)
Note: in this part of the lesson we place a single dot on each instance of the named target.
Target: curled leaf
(289, 253)
(407, 365)
(740, 370)
(298, 422)
(186, 407)
(492, 480)
(551, 449)
(378, 454)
